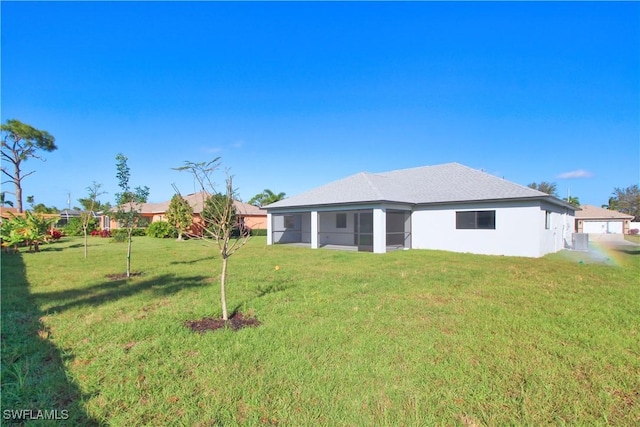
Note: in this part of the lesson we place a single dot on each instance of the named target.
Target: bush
(634, 231)
(101, 233)
(120, 235)
(258, 231)
(74, 227)
(54, 234)
(162, 230)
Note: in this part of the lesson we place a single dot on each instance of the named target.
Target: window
(341, 220)
(472, 220)
(547, 220)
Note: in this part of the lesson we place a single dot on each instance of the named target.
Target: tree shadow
(194, 261)
(113, 290)
(34, 381)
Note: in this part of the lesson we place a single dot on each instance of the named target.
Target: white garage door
(601, 227)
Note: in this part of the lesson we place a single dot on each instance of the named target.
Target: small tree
(12, 233)
(42, 208)
(21, 142)
(180, 214)
(128, 203)
(32, 229)
(88, 213)
(219, 218)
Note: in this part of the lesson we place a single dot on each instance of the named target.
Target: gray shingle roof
(450, 182)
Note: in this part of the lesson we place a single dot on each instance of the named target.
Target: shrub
(55, 234)
(120, 235)
(634, 231)
(74, 227)
(101, 233)
(162, 230)
(258, 231)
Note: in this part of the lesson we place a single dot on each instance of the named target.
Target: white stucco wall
(559, 234)
(520, 229)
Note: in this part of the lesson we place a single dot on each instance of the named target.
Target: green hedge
(162, 230)
(120, 234)
(258, 231)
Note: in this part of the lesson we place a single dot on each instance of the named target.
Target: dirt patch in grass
(235, 322)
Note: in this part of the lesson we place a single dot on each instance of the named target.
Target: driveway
(610, 240)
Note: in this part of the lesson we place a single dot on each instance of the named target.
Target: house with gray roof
(445, 207)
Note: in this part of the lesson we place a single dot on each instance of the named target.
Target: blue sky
(293, 95)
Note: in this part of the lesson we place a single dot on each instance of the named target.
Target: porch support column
(314, 229)
(269, 230)
(379, 230)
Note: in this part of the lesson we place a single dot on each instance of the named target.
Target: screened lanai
(371, 230)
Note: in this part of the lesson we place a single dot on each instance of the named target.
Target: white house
(449, 207)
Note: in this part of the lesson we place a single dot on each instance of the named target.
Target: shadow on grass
(113, 290)
(628, 251)
(194, 261)
(35, 387)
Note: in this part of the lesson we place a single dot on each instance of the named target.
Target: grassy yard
(347, 339)
(632, 238)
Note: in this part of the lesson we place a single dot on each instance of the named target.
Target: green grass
(347, 339)
(632, 238)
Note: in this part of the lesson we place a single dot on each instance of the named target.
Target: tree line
(625, 200)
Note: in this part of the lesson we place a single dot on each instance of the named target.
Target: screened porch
(361, 230)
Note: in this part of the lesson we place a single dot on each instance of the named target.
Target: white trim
(314, 229)
(379, 230)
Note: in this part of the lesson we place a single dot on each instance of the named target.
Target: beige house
(595, 220)
(250, 216)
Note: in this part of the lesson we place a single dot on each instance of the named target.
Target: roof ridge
(371, 184)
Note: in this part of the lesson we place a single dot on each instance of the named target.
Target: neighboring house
(595, 220)
(8, 212)
(249, 215)
(448, 207)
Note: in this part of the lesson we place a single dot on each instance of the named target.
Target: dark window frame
(476, 220)
(547, 220)
(341, 220)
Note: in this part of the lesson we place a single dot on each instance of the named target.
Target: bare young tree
(89, 204)
(219, 218)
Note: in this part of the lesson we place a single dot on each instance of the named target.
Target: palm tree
(266, 198)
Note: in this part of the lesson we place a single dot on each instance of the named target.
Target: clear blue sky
(295, 95)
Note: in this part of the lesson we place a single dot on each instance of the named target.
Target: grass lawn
(347, 339)
(632, 238)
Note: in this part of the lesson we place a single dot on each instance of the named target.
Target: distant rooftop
(594, 212)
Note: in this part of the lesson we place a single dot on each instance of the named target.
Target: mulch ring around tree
(236, 321)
